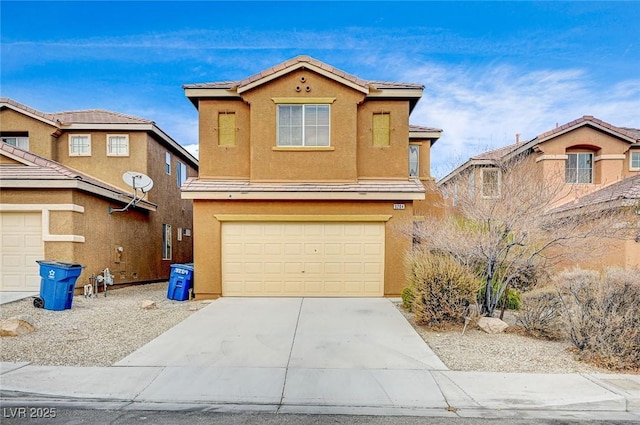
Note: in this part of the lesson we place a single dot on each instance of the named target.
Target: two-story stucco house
(62, 189)
(306, 176)
(594, 165)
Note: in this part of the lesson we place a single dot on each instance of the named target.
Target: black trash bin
(180, 281)
(57, 284)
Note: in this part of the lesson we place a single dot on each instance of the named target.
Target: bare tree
(505, 231)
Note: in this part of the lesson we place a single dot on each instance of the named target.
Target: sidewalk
(317, 356)
(371, 392)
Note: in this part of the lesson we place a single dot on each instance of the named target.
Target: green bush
(407, 298)
(540, 314)
(514, 301)
(443, 289)
(602, 317)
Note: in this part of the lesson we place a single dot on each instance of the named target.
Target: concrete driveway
(297, 351)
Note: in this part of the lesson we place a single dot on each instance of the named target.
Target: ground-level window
(79, 145)
(490, 183)
(635, 161)
(579, 168)
(166, 242)
(414, 160)
(304, 125)
(117, 145)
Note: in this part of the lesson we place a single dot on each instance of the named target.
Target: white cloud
(484, 108)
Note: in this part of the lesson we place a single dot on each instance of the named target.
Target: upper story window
(634, 164)
(117, 145)
(181, 173)
(79, 145)
(414, 160)
(381, 129)
(19, 140)
(490, 183)
(167, 163)
(579, 168)
(304, 125)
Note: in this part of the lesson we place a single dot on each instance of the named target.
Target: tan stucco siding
(389, 161)
(99, 164)
(610, 160)
(41, 140)
(224, 161)
(337, 164)
(207, 240)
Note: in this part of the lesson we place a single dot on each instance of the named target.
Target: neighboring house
(596, 165)
(307, 176)
(61, 179)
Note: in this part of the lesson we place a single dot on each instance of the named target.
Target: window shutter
(381, 130)
(227, 129)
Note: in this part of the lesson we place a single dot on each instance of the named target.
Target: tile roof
(301, 60)
(423, 128)
(37, 168)
(98, 116)
(18, 105)
(590, 119)
(204, 185)
(499, 153)
(93, 116)
(627, 189)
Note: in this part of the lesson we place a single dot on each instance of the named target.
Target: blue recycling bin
(57, 284)
(180, 281)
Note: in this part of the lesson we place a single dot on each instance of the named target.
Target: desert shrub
(407, 298)
(513, 298)
(602, 316)
(443, 289)
(540, 314)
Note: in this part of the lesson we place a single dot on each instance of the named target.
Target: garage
(317, 259)
(21, 246)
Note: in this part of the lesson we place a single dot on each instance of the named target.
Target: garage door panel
(303, 259)
(21, 246)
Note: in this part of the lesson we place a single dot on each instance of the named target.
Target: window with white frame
(491, 183)
(117, 145)
(181, 173)
(79, 145)
(167, 163)
(304, 125)
(19, 140)
(414, 160)
(634, 164)
(166, 242)
(579, 168)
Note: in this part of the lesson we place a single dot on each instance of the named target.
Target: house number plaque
(398, 206)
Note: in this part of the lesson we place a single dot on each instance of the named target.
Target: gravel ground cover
(100, 331)
(95, 331)
(505, 352)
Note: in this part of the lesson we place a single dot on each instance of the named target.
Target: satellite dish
(138, 181)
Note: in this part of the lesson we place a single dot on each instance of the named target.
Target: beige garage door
(21, 246)
(302, 259)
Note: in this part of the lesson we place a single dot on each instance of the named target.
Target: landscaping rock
(492, 325)
(148, 305)
(14, 326)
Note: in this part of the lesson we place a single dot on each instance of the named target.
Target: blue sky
(490, 69)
